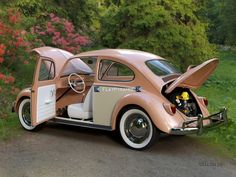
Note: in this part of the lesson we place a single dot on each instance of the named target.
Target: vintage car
(137, 93)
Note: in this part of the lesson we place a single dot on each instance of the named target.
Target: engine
(185, 105)
(184, 101)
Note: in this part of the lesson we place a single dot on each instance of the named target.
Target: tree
(221, 15)
(229, 21)
(212, 13)
(82, 13)
(108, 3)
(165, 27)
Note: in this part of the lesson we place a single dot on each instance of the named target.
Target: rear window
(161, 67)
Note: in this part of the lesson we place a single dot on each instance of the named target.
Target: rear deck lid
(194, 77)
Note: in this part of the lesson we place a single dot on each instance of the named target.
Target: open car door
(43, 93)
(194, 77)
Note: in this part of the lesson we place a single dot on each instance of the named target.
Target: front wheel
(24, 115)
(137, 130)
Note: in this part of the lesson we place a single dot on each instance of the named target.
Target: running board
(80, 123)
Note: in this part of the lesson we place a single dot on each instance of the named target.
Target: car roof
(53, 53)
(133, 57)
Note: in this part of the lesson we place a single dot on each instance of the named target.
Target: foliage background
(169, 28)
(184, 31)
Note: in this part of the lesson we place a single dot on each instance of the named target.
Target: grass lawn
(9, 125)
(220, 90)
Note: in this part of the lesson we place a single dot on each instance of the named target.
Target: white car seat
(82, 110)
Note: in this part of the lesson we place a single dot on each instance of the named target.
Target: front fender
(153, 105)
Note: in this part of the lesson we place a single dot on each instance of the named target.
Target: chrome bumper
(216, 119)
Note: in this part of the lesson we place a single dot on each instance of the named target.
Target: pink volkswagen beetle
(137, 93)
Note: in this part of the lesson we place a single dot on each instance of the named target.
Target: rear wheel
(25, 115)
(137, 130)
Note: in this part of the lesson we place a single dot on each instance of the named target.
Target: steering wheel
(77, 83)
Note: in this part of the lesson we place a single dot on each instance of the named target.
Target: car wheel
(137, 130)
(24, 115)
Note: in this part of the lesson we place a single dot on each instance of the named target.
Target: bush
(61, 33)
(11, 44)
(30, 7)
(14, 46)
(168, 28)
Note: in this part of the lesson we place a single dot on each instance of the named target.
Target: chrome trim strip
(181, 131)
(80, 123)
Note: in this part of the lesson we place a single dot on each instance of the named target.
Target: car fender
(153, 105)
(24, 93)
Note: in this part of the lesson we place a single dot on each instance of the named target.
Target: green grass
(220, 89)
(8, 122)
(9, 127)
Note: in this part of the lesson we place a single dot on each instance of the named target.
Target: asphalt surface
(59, 150)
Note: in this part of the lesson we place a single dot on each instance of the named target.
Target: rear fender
(153, 105)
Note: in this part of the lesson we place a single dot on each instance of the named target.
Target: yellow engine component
(184, 96)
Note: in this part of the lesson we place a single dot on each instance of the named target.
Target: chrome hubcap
(137, 128)
(26, 114)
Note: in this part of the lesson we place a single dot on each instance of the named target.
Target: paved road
(59, 150)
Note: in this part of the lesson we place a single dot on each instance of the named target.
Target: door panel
(43, 93)
(113, 83)
(104, 101)
(46, 103)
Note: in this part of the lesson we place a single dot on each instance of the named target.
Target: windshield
(76, 65)
(161, 67)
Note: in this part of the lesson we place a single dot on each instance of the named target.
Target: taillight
(205, 101)
(173, 109)
(170, 108)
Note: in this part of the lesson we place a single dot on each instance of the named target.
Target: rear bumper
(216, 119)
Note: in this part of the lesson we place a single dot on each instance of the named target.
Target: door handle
(52, 92)
(48, 101)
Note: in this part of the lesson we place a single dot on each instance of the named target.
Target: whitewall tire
(136, 129)
(24, 114)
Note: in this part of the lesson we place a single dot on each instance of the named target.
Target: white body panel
(46, 103)
(104, 101)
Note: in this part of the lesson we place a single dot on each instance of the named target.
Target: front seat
(82, 110)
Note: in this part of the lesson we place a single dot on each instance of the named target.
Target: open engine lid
(194, 77)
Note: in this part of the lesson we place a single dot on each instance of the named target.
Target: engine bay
(184, 101)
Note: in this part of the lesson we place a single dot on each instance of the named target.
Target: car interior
(74, 94)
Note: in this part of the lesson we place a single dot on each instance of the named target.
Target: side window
(118, 69)
(114, 71)
(90, 61)
(103, 67)
(47, 70)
